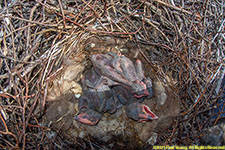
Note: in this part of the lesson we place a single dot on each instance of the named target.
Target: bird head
(140, 112)
(89, 117)
(140, 89)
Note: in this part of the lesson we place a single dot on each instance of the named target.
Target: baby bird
(134, 109)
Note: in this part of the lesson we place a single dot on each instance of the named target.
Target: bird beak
(144, 92)
(83, 118)
(148, 114)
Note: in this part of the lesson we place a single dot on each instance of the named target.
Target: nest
(182, 43)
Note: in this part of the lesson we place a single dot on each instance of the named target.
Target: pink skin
(122, 71)
(83, 119)
(103, 63)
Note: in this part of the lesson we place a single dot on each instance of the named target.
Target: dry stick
(154, 26)
(8, 95)
(24, 111)
(32, 108)
(172, 134)
(18, 29)
(128, 20)
(86, 29)
(209, 96)
(10, 58)
(220, 81)
(191, 69)
(202, 48)
(7, 131)
(5, 48)
(24, 98)
(130, 14)
(50, 56)
(113, 6)
(61, 8)
(167, 47)
(30, 18)
(72, 21)
(24, 141)
(220, 113)
(34, 22)
(202, 93)
(24, 70)
(10, 76)
(3, 121)
(110, 21)
(103, 32)
(171, 6)
(147, 21)
(86, 4)
(91, 30)
(87, 23)
(10, 27)
(203, 37)
(188, 65)
(218, 32)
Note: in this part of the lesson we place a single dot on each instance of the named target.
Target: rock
(66, 81)
(214, 136)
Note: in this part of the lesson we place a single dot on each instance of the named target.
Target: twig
(61, 8)
(173, 7)
(34, 22)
